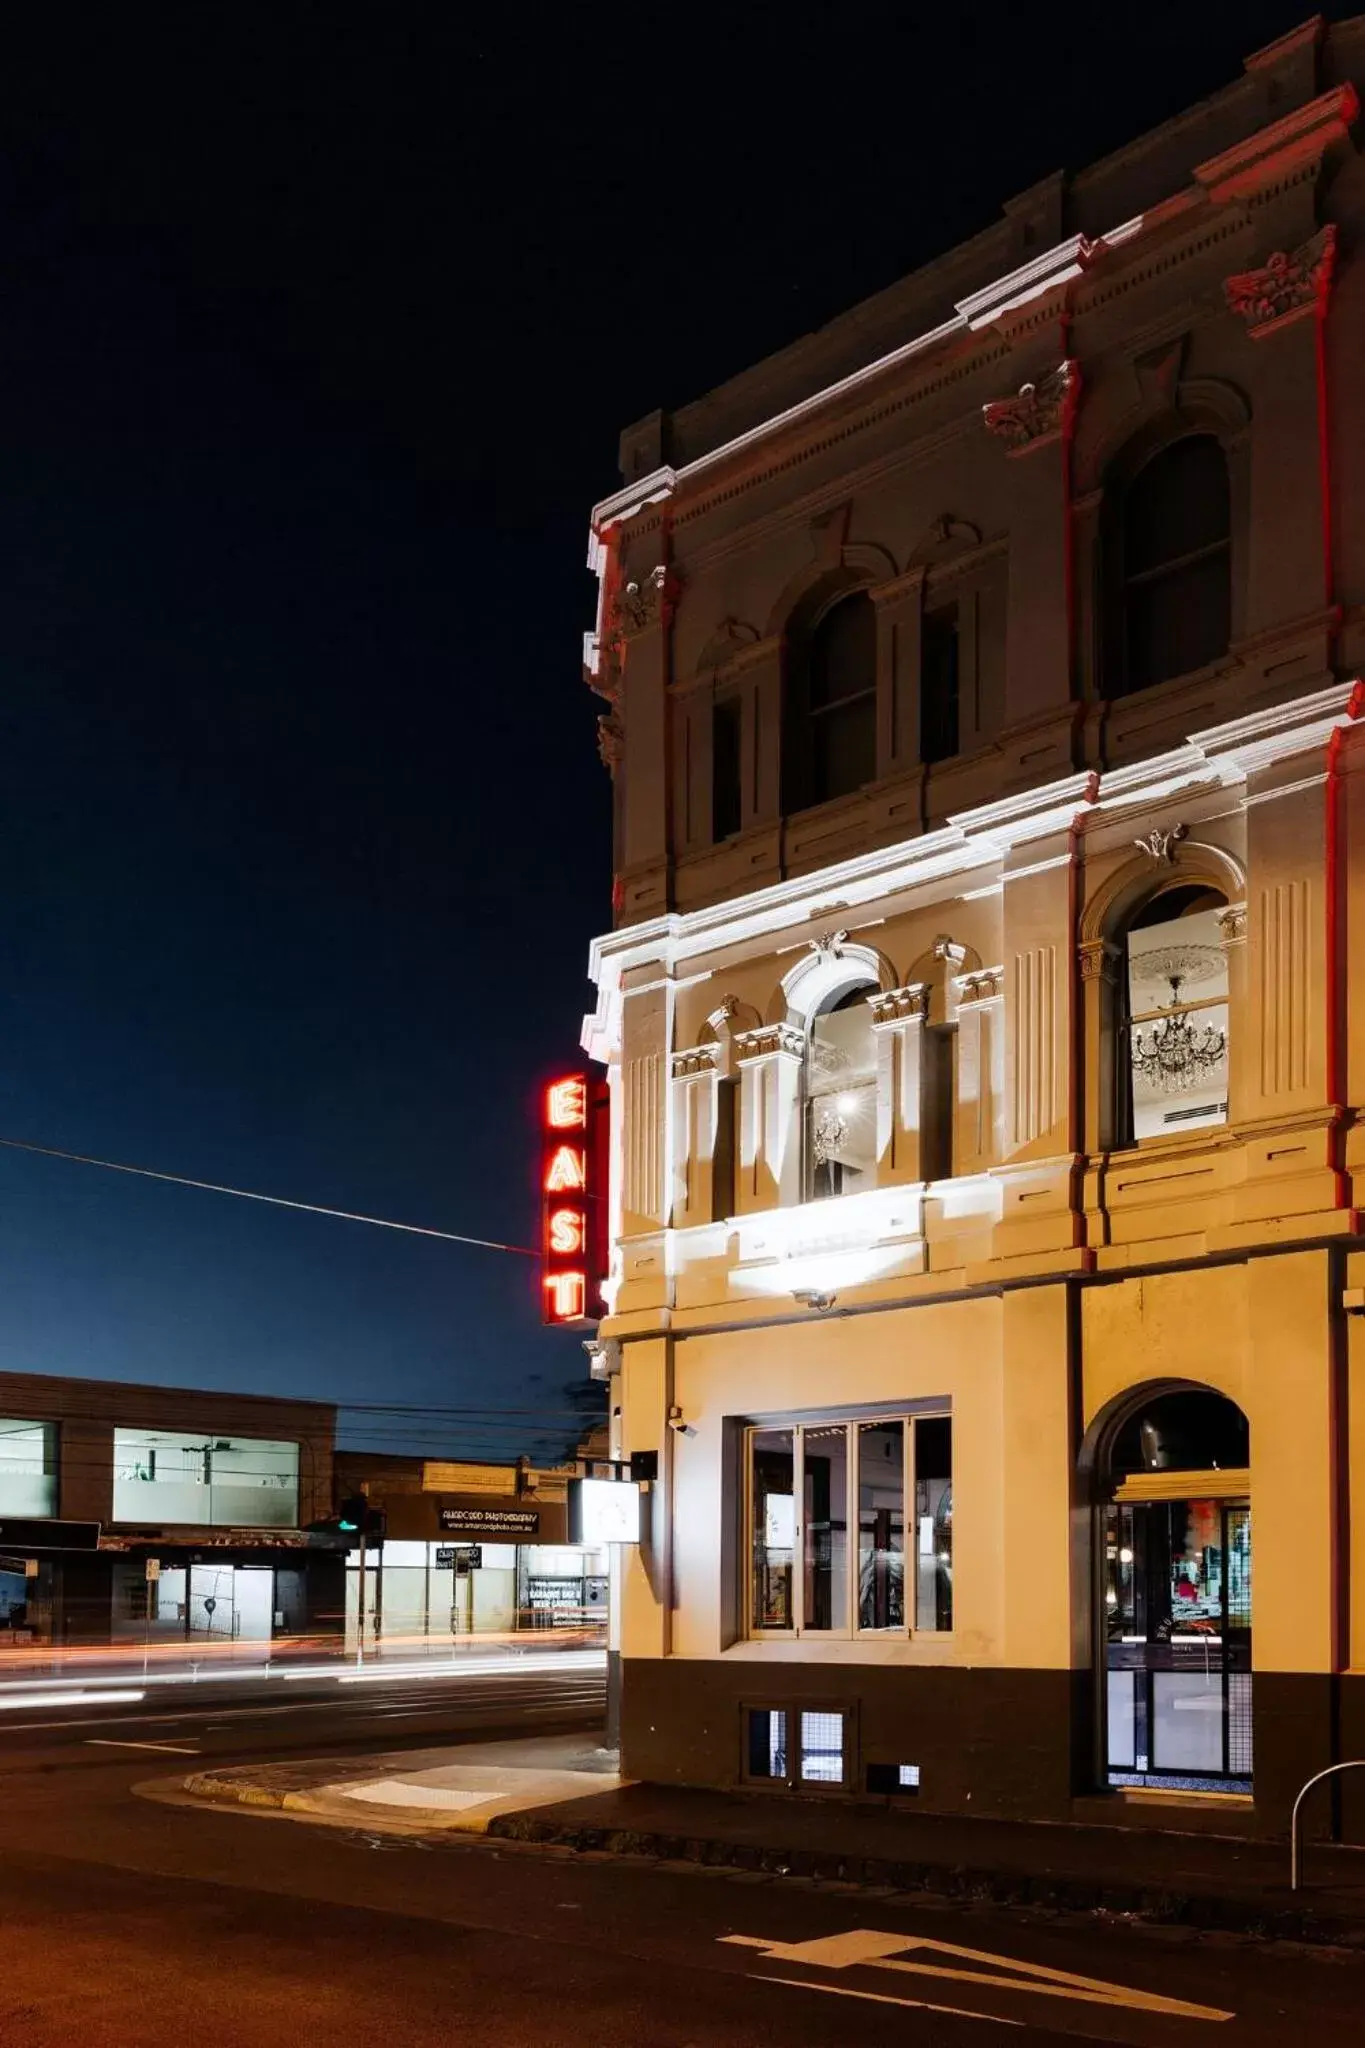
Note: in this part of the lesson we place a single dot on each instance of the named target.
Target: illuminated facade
(983, 708)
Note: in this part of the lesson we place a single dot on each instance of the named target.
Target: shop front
(455, 1569)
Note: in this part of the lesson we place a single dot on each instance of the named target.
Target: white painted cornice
(970, 841)
(1245, 746)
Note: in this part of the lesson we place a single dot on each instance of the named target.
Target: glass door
(1177, 1617)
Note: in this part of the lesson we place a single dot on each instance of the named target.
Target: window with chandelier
(1175, 1021)
(841, 1097)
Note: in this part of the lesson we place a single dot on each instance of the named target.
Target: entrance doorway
(1175, 1549)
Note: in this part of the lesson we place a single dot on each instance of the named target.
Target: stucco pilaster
(769, 1167)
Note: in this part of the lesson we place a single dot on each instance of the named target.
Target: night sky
(317, 329)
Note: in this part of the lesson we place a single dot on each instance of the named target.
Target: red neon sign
(573, 1227)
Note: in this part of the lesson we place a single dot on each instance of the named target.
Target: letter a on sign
(566, 1170)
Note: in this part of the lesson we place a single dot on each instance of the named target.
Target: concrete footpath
(565, 1791)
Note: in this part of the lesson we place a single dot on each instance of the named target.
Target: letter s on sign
(568, 1232)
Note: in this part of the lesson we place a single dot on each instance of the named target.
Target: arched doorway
(1175, 1579)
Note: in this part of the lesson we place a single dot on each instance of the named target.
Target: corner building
(984, 711)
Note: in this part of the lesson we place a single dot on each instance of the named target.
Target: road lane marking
(112, 1742)
(957, 2012)
(875, 1949)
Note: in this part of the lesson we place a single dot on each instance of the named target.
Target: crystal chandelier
(828, 1137)
(1175, 1055)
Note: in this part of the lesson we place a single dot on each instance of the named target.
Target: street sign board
(461, 1558)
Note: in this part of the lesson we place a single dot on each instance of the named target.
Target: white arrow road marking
(869, 1947)
(957, 2012)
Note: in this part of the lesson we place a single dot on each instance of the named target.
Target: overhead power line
(214, 1187)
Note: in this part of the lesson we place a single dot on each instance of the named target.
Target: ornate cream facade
(910, 1169)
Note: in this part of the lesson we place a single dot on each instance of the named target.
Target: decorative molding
(602, 673)
(611, 741)
(1160, 844)
(770, 1039)
(1232, 923)
(644, 603)
(1272, 154)
(899, 1005)
(942, 539)
(830, 945)
(1099, 959)
(1034, 1008)
(1283, 968)
(984, 985)
(694, 1061)
(1038, 413)
(972, 843)
(1285, 286)
(731, 637)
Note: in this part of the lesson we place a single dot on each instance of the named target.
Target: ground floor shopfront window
(850, 1526)
(434, 1596)
(1176, 1574)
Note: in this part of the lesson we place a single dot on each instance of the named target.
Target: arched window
(1174, 1533)
(1172, 1070)
(1174, 595)
(831, 725)
(840, 1098)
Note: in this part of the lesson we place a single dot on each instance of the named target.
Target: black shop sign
(494, 1522)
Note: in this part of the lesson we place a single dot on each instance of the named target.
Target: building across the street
(472, 1548)
(163, 1515)
(984, 707)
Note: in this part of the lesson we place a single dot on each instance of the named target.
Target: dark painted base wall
(1006, 1744)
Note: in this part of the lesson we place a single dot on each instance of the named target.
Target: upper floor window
(1175, 594)
(726, 794)
(831, 739)
(28, 1468)
(841, 1098)
(189, 1476)
(1174, 997)
(939, 684)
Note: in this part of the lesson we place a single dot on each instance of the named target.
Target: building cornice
(982, 837)
(1272, 152)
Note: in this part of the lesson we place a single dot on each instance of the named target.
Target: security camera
(811, 1297)
(675, 1421)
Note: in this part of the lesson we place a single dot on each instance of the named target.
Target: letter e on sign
(566, 1104)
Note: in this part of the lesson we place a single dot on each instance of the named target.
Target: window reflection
(881, 1525)
(773, 1495)
(825, 1468)
(934, 1523)
(162, 1475)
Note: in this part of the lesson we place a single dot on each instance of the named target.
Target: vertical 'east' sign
(569, 1236)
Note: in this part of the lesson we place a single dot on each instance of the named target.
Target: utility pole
(360, 1632)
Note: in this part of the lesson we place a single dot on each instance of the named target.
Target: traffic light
(356, 1517)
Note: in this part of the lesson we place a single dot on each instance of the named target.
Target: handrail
(1295, 1860)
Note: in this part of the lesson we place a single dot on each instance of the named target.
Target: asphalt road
(136, 1921)
(384, 1706)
